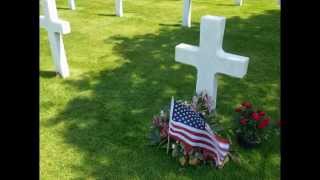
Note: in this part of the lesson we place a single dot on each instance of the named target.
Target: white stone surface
(119, 8)
(55, 28)
(186, 19)
(209, 58)
(239, 2)
(72, 4)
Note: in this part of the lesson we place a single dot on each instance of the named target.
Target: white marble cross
(186, 19)
(119, 8)
(72, 4)
(56, 28)
(209, 58)
(239, 2)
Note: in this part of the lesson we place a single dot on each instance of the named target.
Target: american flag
(190, 128)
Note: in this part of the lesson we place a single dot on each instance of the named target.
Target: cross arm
(234, 65)
(186, 54)
(55, 25)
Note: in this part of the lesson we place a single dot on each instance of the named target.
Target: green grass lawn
(93, 125)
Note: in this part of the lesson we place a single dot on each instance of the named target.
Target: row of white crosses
(186, 19)
(56, 28)
(209, 58)
(186, 9)
(118, 6)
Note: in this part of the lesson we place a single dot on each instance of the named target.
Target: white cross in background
(209, 58)
(119, 8)
(56, 28)
(72, 4)
(239, 2)
(186, 19)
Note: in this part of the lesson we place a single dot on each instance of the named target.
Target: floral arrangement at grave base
(184, 153)
(253, 126)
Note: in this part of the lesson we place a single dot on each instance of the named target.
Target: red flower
(264, 123)
(164, 130)
(261, 113)
(238, 109)
(246, 104)
(255, 116)
(243, 121)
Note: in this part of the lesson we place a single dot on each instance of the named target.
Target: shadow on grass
(63, 8)
(48, 74)
(172, 25)
(232, 5)
(109, 15)
(110, 125)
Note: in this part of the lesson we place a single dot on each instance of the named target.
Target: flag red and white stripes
(188, 127)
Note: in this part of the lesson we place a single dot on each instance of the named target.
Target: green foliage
(252, 125)
(154, 136)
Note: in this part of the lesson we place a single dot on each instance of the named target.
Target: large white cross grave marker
(55, 28)
(209, 58)
(72, 4)
(186, 19)
(119, 8)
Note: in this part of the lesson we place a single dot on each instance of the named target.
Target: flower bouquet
(184, 153)
(253, 126)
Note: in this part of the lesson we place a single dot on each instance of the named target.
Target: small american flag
(190, 128)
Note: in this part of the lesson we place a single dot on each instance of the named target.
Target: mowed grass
(93, 125)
